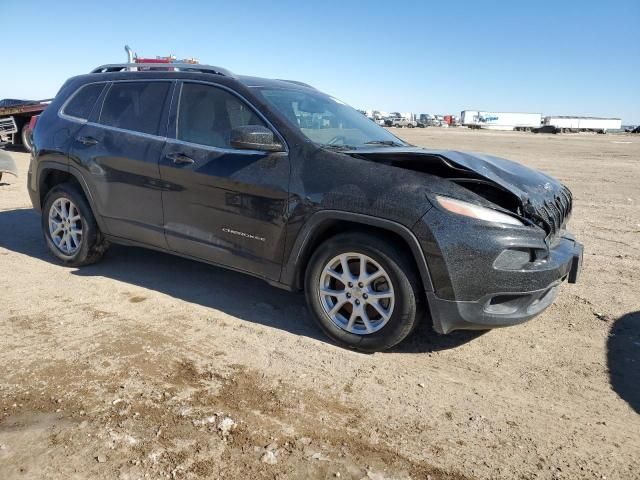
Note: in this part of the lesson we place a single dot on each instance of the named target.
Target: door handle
(87, 141)
(180, 159)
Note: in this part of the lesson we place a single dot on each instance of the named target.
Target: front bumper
(475, 288)
(507, 308)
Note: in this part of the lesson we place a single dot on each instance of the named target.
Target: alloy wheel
(65, 226)
(356, 293)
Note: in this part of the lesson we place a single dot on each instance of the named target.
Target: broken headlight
(475, 211)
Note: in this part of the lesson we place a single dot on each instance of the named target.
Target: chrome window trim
(176, 96)
(124, 130)
(216, 149)
(243, 99)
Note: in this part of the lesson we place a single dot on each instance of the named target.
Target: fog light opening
(505, 304)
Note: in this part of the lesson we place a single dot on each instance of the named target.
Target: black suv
(276, 179)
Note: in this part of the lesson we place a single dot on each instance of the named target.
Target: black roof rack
(146, 67)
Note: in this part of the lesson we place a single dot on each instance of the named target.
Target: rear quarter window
(135, 106)
(81, 103)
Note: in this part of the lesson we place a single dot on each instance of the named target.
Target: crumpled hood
(529, 185)
(539, 197)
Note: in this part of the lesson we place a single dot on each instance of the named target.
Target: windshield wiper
(335, 146)
(390, 143)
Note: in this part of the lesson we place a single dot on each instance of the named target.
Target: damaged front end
(488, 274)
(505, 185)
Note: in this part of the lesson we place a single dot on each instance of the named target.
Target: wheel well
(51, 178)
(330, 228)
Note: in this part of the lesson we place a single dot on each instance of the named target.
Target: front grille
(552, 215)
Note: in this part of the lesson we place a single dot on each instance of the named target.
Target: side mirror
(254, 137)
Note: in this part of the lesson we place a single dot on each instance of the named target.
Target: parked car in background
(401, 122)
(276, 179)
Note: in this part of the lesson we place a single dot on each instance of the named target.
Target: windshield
(327, 121)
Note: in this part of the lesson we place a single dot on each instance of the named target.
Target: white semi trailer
(583, 124)
(500, 120)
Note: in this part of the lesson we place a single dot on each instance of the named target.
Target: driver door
(221, 204)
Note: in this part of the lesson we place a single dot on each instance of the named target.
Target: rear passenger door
(222, 204)
(119, 151)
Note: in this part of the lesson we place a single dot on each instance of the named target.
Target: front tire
(69, 227)
(363, 291)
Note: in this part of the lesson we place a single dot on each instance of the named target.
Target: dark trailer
(15, 120)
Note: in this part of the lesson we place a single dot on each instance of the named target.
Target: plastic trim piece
(292, 267)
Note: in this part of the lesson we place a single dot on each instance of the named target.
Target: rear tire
(69, 227)
(27, 137)
(384, 262)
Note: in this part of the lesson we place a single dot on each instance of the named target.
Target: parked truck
(401, 122)
(500, 120)
(567, 124)
(15, 120)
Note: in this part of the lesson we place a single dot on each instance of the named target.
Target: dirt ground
(150, 366)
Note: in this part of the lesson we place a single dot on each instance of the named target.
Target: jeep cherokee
(278, 180)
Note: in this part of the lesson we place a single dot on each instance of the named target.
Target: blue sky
(555, 57)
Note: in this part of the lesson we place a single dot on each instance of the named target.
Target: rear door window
(207, 115)
(81, 104)
(135, 106)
